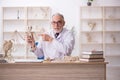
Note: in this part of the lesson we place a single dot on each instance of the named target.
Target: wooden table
(53, 71)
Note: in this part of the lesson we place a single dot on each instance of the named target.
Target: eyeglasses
(58, 22)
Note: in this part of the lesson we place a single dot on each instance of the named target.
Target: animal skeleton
(8, 45)
(7, 49)
(89, 38)
(45, 12)
(92, 25)
(113, 38)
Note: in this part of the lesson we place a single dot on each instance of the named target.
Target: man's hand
(30, 40)
(46, 37)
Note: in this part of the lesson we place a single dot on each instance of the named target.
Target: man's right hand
(30, 40)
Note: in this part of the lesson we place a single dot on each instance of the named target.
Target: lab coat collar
(60, 34)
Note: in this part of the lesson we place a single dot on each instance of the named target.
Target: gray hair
(58, 14)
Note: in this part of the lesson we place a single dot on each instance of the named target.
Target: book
(1, 55)
(27, 60)
(92, 52)
(92, 56)
(93, 60)
(3, 61)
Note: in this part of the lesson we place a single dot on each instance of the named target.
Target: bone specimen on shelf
(113, 38)
(29, 31)
(92, 25)
(18, 16)
(16, 36)
(110, 17)
(89, 38)
(34, 13)
(44, 11)
(112, 14)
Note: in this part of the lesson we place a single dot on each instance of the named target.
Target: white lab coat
(58, 48)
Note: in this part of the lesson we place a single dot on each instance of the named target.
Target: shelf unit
(112, 30)
(91, 19)
(112, 40)
(16, 21)
(100, 29)
(104, 36)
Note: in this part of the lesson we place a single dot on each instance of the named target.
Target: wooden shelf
(38, 19)
(106, 28)
(112, 43)
(91, 19)
(93, 31)
(112, 55)
(114, 19)
(92, 43)
(20, 18)
(112, 31)
(114, 67)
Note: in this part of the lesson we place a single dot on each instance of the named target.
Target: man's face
(57, 23)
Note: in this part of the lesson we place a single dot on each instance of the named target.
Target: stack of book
(92, 56)
(2, 60)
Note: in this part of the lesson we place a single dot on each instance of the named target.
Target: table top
(55, 62)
